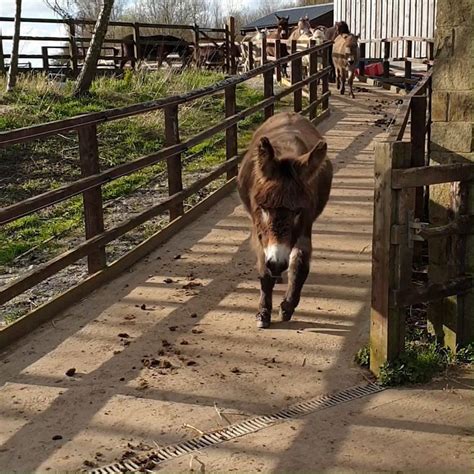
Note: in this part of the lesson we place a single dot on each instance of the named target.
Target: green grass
(41, 165)
(422, 360)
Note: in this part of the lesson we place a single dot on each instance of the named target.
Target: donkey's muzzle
(276, 268)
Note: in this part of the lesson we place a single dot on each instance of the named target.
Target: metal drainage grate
(149, 461)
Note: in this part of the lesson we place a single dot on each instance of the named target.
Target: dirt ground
(156, 350)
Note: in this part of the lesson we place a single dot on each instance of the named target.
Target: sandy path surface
(163, 344)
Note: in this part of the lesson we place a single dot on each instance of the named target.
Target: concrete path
(158, 349)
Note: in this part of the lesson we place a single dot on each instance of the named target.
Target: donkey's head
(282, 201)
(351, 48)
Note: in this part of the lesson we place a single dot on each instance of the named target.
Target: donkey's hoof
(286, 311)
(263, 318)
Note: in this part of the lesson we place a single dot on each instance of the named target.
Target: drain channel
(149, 461)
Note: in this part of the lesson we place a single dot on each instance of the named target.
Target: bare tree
(87, 74)
(13, 69)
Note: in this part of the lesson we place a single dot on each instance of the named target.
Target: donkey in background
(284, 183)
(345, 56)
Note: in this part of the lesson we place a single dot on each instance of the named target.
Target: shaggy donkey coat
(284, 183)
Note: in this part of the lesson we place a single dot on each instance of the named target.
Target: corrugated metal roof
(270, 21)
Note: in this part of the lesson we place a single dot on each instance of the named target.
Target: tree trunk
(89, 68)
(13, 69)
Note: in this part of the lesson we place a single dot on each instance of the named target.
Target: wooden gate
(402, 179)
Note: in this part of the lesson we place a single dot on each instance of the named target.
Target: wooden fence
(402, 179)
(74, 47)
(90, 184)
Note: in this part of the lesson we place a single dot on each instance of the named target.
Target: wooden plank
(44, 55)
(231, 134)
(232, 39)
(387, 322)
(386, 55)
(325, 77)
(2, 57)
(277, 56)
(92, 198)
(428, 175)
(313, 86)
(173, 163)
(268, 92)
(433, 291)
(251, 61)
(296, 76)
(26, 324)
(408, 55)
(136, 43)
(56, 264)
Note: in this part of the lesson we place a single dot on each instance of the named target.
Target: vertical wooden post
(72, 46)
(92, 198)
(251, 62)
(386, 57)
(2, 57)
(278, 56)
(173, 163)
(44, 53)
(231, 28)
(362, 60)
(196, 44)
(391, 264)
(231, 143)
(296, 76)
(136, 43)
(313, 86)
(408, 55)
(268, 92)
(227, 50)
(325, 87)
(418, 141)
(263, 51)
(430, 52)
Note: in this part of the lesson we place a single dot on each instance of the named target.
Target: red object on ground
(374, 69)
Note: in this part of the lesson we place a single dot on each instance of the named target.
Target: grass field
(31, 168)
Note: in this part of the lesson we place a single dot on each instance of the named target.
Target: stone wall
(452, 141)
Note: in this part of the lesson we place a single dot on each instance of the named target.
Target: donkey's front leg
(297, 273)
(264, 314)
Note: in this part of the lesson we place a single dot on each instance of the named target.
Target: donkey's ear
(278, 18)
(266, 156)
(314, 158)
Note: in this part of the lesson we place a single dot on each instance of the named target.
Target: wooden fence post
(325, 78)
(136, 43)
(44, 54)
(251, 63)
(386, 57)
(268, 92)
(231, 28)
(72, 46)
(296, 76)
(362, 60)
(2, 58)
(92, 198)
(231, 144)
(196, 43)
(263, 51)
(173, 163)
(408, 54)
(418, 142)
(313, 86)
(278, 56)
(391, 262)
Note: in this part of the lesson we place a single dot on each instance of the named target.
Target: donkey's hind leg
(297, 273)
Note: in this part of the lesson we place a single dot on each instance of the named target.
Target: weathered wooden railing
(402, 177)
(74, 46)
(390, 49)
(89, 185)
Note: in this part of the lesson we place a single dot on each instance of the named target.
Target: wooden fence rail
(92, 179)
(72, 44)
(402, 177)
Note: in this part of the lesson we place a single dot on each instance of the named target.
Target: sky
(38, 9)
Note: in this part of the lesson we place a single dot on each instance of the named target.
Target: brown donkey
(284, 183)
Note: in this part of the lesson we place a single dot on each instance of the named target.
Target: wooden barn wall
(378, 19)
